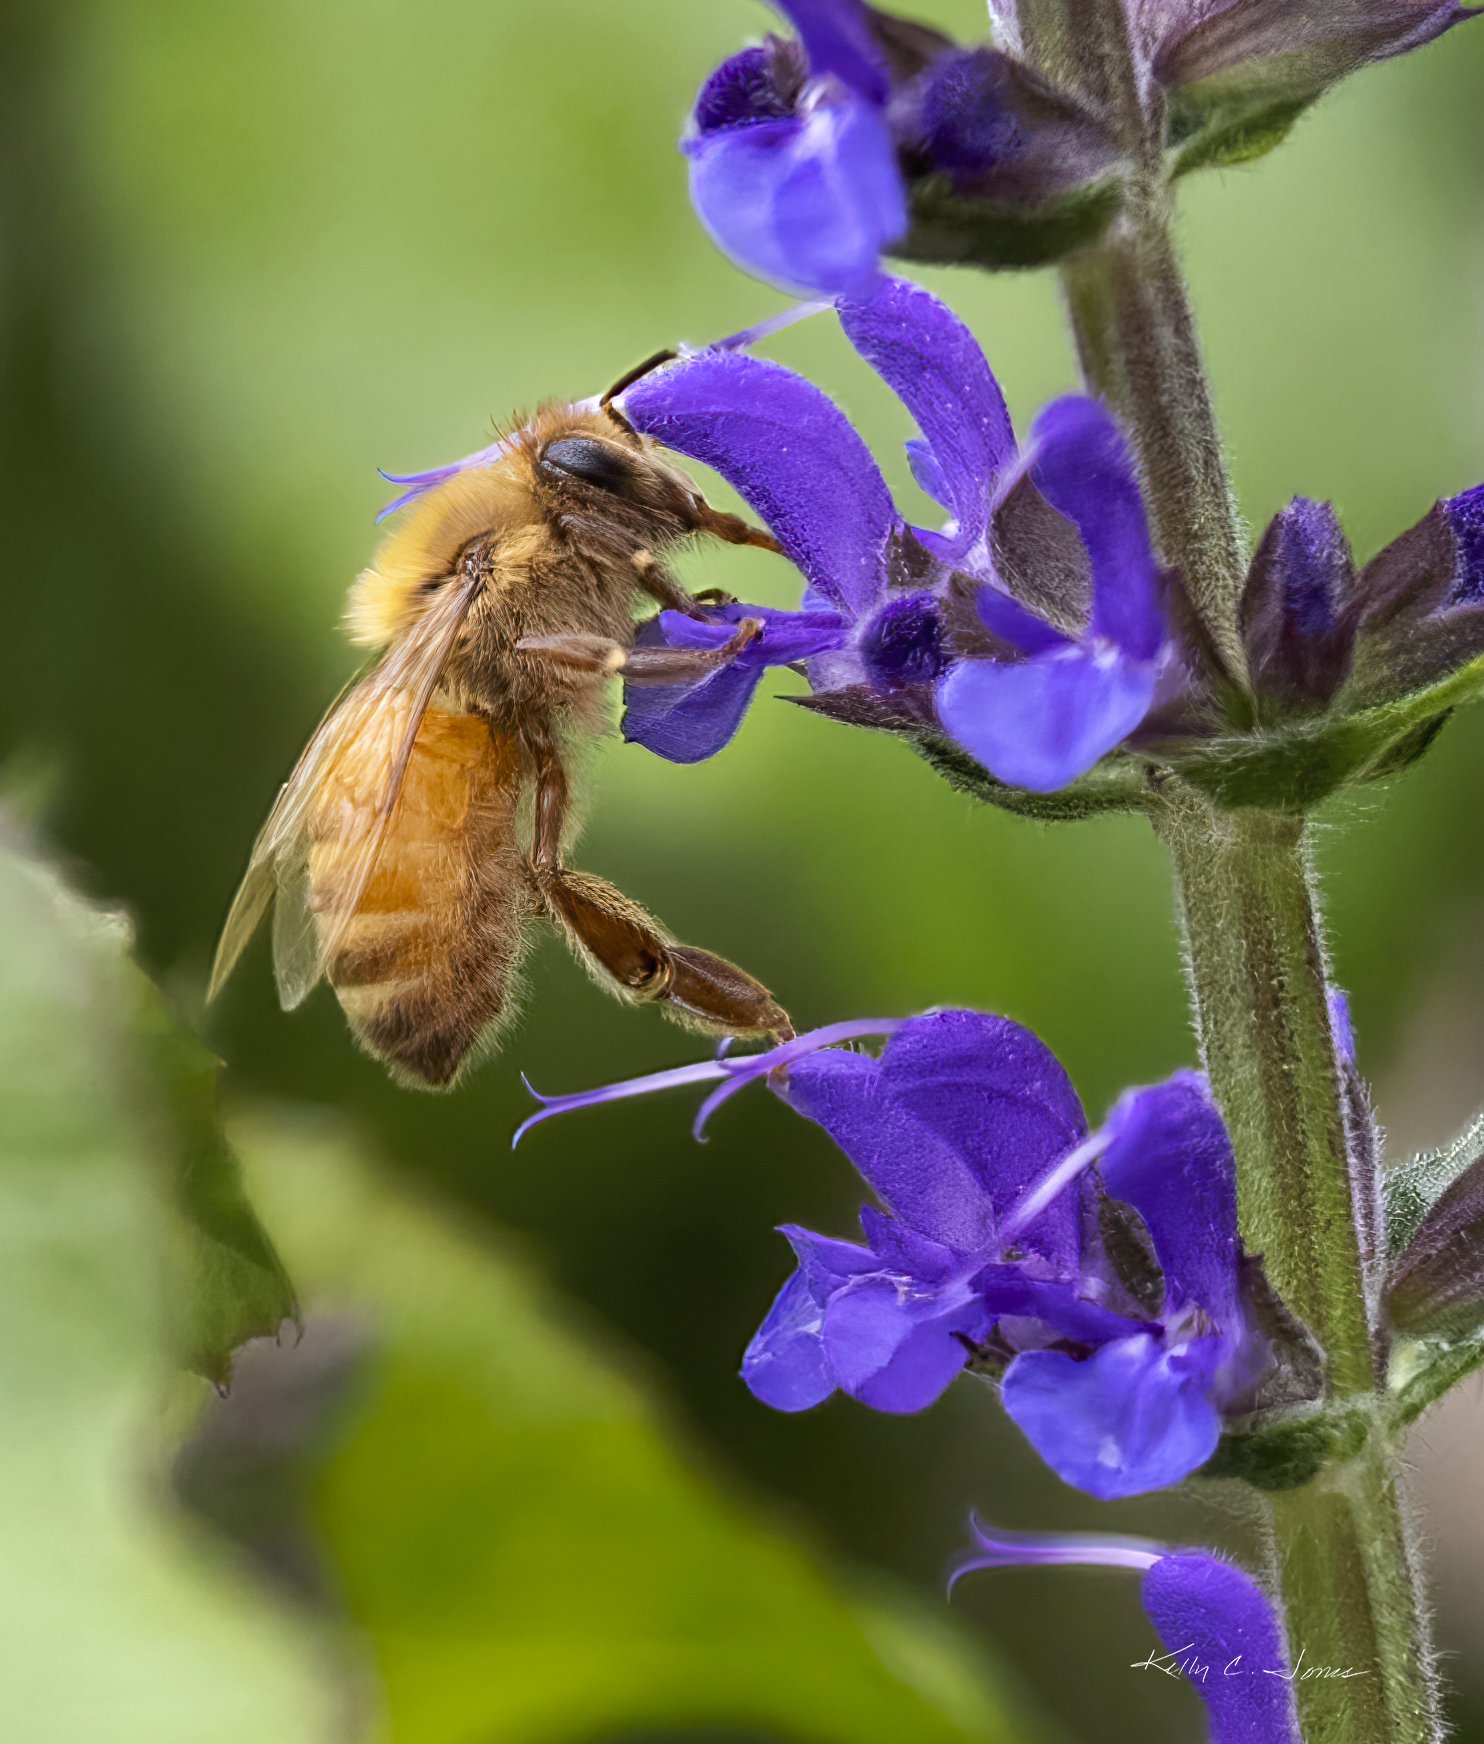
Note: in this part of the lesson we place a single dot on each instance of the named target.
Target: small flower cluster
(1097, 1278)
(1034, 629)
(864, 133)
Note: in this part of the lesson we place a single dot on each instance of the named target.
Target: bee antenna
(637, 373)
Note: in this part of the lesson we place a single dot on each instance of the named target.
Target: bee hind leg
(626, 951)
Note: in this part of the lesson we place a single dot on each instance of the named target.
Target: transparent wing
(367, 738)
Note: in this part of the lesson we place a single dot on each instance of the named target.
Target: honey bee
(427, 824)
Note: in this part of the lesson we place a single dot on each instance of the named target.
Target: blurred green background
(509, 1485)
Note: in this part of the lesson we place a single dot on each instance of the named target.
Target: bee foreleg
(663, 588)
(625, 950)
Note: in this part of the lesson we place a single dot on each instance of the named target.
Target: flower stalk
(1255, 956)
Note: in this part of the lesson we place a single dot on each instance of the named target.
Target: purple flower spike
(1044, 704)
(1005, 1234)
(1219, 1630)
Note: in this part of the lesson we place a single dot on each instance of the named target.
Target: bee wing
(387, 705)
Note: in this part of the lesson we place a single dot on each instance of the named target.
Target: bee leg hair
(626, 951)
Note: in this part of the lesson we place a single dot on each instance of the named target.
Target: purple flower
(1103, 1274)
(793, 168)
(1219, 1630)
(1029, 628)
(804, 152)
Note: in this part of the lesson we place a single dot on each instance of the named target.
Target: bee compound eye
(585, 458)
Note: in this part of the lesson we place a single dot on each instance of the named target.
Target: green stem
(1258, 983)
(1344, 1556)
(1139, 348)
(1255, 951)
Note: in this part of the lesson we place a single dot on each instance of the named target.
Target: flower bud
(1298, 642)
(1436, 1287)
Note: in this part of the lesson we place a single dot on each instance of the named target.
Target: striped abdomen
(425, 964)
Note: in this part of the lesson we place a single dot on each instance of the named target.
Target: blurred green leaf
(119, 1625)
(508, 1520)
(229, 1285)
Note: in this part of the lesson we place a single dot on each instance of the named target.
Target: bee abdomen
(425, 966)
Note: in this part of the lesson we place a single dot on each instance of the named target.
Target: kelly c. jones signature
(1185, 1664)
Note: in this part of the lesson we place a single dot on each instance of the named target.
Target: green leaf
(526, 1549)
(121, 1624)
(1413, 1188)
(229, 1284)
(1215, 127)
(225, 1283)
(1442, 1341)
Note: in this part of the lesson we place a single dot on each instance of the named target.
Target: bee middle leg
(626, 951)
(598, 657)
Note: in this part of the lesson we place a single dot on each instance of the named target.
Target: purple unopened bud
(1298, 639)
(1418, 608)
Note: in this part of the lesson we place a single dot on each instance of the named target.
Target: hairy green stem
(1258, 983)
(1255, 952)
(1139, 349)
(1259, 986)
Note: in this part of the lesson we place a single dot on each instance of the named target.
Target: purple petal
(896, 1343)
(1466, 517)
(1206, 1609)
(1169, 1157)
(1041, 723)
(1130, 1418)
(837, 38)
(810, 202)
(687, 723)
(934, 365)
(958, 1117)
(998, 1549)
(791, 453)
(1010, 621)
(745, 89)
(1210, 1617)
(900, 1249)
(1084, 469)
(1011, 1291)
(931, 480)
(785, 1365)
(826, 1264)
